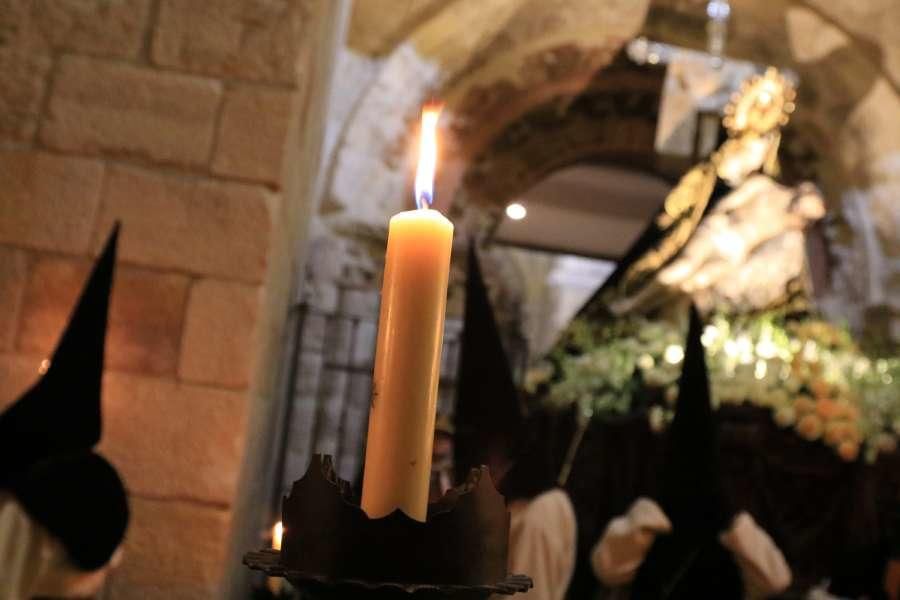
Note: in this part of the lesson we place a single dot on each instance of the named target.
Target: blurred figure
(543, 528)
(441, 458)
(688, 542)
(63, 508)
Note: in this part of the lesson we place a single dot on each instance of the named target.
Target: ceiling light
(516, 211)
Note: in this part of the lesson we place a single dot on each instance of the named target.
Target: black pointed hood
(487, 406)
(690, 482)
(60, 413)
(47, 435)
(689, 562)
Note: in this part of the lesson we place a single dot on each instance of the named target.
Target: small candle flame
(424, 187)
(277, 533)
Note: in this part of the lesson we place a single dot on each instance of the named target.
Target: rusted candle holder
(333, 549)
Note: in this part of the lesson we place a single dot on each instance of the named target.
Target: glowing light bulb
(710, 334)
(674, 354)
(516, 211)
(731, 348)
(761, 369)
(745, 350)
(718, 10)
(766, 349)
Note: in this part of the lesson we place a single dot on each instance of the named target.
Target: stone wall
(188, 122)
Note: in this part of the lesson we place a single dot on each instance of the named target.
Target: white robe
(33, 563)
(542, 544)
(627, 539)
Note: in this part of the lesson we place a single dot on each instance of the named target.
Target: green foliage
(808, 372)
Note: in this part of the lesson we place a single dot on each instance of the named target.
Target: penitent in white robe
(33, 563)
(618, 555)
(542, 539)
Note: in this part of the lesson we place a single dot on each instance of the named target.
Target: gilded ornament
(763, 104)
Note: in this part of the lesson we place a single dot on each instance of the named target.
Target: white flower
(645, 362)
(778, 397)
(785, 416)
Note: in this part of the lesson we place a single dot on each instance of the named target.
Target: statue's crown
(763, 103)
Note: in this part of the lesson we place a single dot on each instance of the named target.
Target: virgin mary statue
(729, 236)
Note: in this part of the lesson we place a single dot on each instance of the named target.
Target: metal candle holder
(333, 549)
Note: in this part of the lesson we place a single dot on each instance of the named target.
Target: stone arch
(497, 63)
(612, 121)
(490, 78)
(466, 56)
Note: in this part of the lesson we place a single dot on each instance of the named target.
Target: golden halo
(764, 103)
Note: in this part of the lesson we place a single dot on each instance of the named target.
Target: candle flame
(424, 187)
(277, 533)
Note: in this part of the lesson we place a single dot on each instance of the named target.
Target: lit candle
(275, 584)
(408, 354)
(277, 533)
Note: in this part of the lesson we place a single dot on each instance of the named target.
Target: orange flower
(820, 388)
(850, 412)
(848, 451)
(804, 404)
(810, 427)
(834, 433)
(850, 433)
(827, 408)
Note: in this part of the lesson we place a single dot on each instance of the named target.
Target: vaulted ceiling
(519, 73)
(501, 59)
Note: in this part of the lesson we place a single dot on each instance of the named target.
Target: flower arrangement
(809, 373)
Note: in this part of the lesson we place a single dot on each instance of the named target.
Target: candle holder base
(330, 544)
(321, 586)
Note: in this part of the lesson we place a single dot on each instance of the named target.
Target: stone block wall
(176, 118)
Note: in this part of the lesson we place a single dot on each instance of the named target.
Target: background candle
(408, 354)
(277, 533)
(275, 584)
